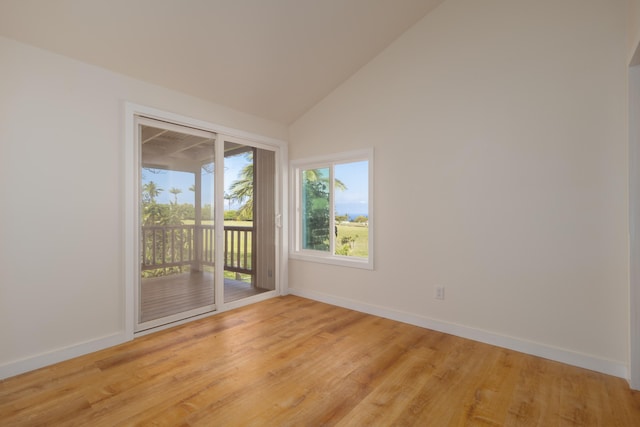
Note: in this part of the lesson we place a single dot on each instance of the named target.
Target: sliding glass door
(177, 239)
(207, 222)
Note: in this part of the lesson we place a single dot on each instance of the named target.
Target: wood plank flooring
(290, 361)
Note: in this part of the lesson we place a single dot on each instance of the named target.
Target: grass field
(360, 236)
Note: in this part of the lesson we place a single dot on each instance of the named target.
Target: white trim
(634, 226)
(249, 300)
(175, 323)
(609, 367)
(219, 233)
(343, 157)
(130, 206)
(166, 116)
(164, 125)
(328, 258)
(59, 355)
(155, 324)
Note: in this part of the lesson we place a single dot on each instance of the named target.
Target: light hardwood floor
(292, 361)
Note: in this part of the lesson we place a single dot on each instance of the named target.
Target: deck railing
(180, 245)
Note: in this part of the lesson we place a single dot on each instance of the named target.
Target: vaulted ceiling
(271, 58)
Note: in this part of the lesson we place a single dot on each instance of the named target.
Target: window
(332, 209)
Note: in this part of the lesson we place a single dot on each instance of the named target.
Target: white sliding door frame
(131, 239)
(633, 86)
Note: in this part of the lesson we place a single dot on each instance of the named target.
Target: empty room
(320, 212)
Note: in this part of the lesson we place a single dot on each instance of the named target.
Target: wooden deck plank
(168, 295)
(293, 361)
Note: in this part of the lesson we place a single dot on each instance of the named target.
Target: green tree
(150, 191)
(342, 218)
(312, 175)
(175, 191)
(316, 215)
(242, 189)
(317, 219)
(176, 212)
(151, 211)
(188, 211)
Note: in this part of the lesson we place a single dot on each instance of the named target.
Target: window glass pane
(315, 207)
(352, 209)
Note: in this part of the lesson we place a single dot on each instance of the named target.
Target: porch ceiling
(172, 150)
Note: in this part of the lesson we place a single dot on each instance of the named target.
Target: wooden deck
(168, 295)
(289, 361)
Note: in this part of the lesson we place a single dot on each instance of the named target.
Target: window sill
(342, 261)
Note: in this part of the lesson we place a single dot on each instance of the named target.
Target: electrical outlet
(439, 292)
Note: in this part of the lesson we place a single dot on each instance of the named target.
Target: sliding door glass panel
(249, 221)
(176, 223)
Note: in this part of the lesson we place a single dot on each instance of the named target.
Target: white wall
(61, 183)
(500, 139)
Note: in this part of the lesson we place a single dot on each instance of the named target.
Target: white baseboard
(604, 366)
(17, 367)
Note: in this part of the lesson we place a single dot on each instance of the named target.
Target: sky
(183, 180)
(352, 201)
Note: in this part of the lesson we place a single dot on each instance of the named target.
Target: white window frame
(328, 257)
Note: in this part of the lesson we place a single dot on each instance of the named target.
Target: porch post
(196, 264)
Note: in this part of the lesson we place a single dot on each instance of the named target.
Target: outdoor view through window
(347, 233)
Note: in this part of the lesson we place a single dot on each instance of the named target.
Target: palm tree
(242, 190)
(228, 198)
(152, 212)
(150, 191)
(175, 192)
(313, 175)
